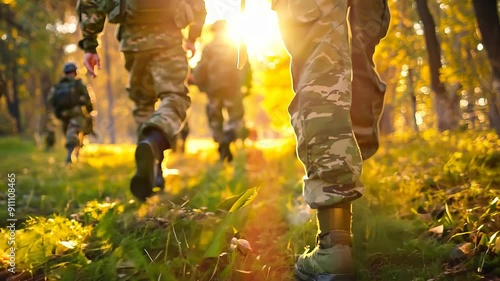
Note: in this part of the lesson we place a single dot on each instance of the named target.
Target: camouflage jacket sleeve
(200, 14)
(92, 20)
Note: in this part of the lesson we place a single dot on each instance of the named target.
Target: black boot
(225, 152)
(70, 152)
(147, 155)
(224, 146)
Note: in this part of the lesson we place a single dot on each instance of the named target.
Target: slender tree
(447, 117)
(109, 88)
(488, 21)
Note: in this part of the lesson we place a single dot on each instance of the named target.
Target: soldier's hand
(190, 46)
(191, 80)
(90, 60)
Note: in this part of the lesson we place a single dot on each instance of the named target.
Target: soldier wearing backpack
(70, 102)
(217, 75)
(151, 39)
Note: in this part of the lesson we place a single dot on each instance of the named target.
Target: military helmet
(69, 67)
(219, 25)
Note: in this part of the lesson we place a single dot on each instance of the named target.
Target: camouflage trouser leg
(369, 21)
(159, 74)
(316, 35)
(235, 112)
(232, 101)
(215, 118)
(73, 131)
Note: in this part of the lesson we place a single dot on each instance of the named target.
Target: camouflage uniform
(151, 40)
(217, 75)
(332, 114)
(155, 59)
(75, 120)
(335, 112)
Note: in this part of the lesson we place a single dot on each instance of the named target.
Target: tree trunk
(494, 112)
(109, 91)
(3, 85)
(13, 101)
(447, 117)
(45, 86)
(411, 92)
(387, 120)
(486, 12)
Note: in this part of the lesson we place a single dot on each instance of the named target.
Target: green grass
(80, 222)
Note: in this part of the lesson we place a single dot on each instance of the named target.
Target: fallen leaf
(438, 230)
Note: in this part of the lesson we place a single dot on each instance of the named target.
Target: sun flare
(257, 27)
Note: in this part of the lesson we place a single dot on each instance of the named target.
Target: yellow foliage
(21, 61)
(9, 2)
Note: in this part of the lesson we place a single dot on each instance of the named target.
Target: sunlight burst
(257, 27)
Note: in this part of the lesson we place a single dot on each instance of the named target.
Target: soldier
(150, 38)
(217, 75)
(335, 112)
(70, 102)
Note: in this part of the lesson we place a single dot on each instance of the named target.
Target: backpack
(222, 71)
(66, 96)
(176, 12)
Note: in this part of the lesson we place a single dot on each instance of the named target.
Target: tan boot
(331, 259)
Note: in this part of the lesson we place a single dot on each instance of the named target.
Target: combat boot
(331, 259)
(225, 152)
(225, 146)
(147, 155)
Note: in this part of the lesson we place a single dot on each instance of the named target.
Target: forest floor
(431, 212)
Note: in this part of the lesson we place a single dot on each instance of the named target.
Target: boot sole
(306, 276)
(143, 181)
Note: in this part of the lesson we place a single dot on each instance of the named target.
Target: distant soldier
(69, 101)
(217, 75)
(152, 43)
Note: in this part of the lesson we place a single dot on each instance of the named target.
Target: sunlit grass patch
(440, 182)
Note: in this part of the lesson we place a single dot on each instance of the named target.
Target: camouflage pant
(232, 101)
(159, 74)
(73, 129)
(332, 114)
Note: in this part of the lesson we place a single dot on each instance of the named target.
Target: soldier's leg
(148, 154)
(215, 117)
(141, 88)
(233, 102)
(369, 21)
(168, 70)
(73, 136)
(315, 33)
(216, 123)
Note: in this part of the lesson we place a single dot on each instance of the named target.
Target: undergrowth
(430, 212)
